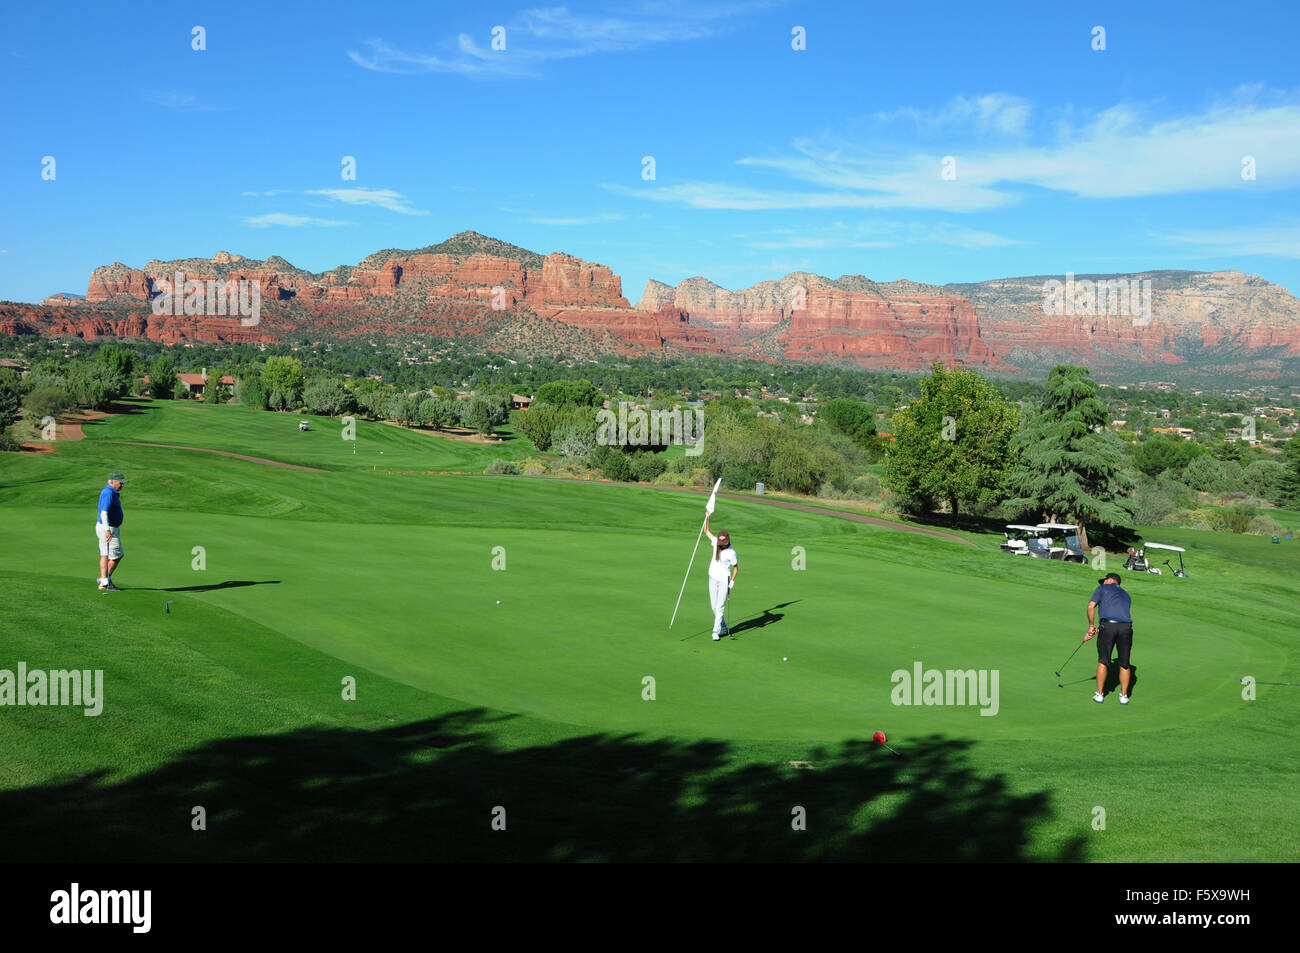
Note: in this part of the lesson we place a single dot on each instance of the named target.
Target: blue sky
(767, 159)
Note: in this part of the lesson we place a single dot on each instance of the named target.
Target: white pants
(718, 600)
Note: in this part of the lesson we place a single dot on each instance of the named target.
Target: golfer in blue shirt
(108, 530)
(1111, 604)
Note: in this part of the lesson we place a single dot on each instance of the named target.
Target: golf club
(1292, 684)
(1078, 681)
(1067, 661)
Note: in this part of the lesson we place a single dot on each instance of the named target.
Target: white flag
(708, 507)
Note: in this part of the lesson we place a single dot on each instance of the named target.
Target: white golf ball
(785, 660)
(498, 602)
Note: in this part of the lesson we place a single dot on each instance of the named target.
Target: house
(13, 366)
(520, 402)
(195, 383)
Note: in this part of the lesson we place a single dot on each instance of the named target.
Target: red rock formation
(866, 329)
(473, 285)
(109, 281)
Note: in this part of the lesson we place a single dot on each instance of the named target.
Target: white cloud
(181, 102)
(545, 34)
(876, 234)
(581, 220)
(383, 198)
(1280, 240)
(291, 221)
(1121, 152)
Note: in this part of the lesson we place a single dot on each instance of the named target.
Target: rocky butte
(512, 298)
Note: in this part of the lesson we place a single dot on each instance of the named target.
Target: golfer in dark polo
(1110, 604)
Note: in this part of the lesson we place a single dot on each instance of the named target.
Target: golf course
(377, 651)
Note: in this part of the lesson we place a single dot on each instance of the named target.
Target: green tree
(215, 392)
(850, 417)
(117, 359)
(328, 396)
(952, 443)
(429, 412)
(48, 400)
(1262, 477)
(1160, 454)
(1288, 486)
(9, 403)
(480, 417)
(284, 374)
(580, 393)
(1071, 467)
(251, 393)
(162, 378)
(1207, 475)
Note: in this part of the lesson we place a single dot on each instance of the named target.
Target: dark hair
(717, 549)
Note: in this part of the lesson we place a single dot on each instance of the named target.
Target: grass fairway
(524, 686)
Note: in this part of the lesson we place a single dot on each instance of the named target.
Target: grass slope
(233, 700)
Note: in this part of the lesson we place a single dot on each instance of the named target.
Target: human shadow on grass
(1112, 679)
(429, 790)
(228, 584)
(766, 618)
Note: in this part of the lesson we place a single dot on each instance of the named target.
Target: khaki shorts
(112, 549)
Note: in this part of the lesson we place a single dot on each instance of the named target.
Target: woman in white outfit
(723, 569)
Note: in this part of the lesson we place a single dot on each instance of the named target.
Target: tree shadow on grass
(427, 791)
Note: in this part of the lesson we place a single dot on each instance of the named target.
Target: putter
(1067, 661)
(167, 607)
(1292, 684)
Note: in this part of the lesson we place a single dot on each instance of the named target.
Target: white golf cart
(1017, 539)
(1181, 571)
(1071, 552)
(303, 425)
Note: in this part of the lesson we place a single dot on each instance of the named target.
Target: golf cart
(303, 425)
(1181, 571)
(1016, 542)
(1072, 552)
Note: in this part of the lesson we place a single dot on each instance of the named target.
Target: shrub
(648, 466)
(1264, 525)
(8, 444)
(534, 467)
(508, 467)
(866, 486)
(48, 400)
(1153, 506)
(573, 440)
(741, 476)
(1206, 474)
(618, 467)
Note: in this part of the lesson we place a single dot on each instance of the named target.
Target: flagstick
(688, 572)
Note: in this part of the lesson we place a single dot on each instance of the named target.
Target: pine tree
(1070, 467)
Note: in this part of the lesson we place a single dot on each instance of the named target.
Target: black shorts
(1117, 636)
